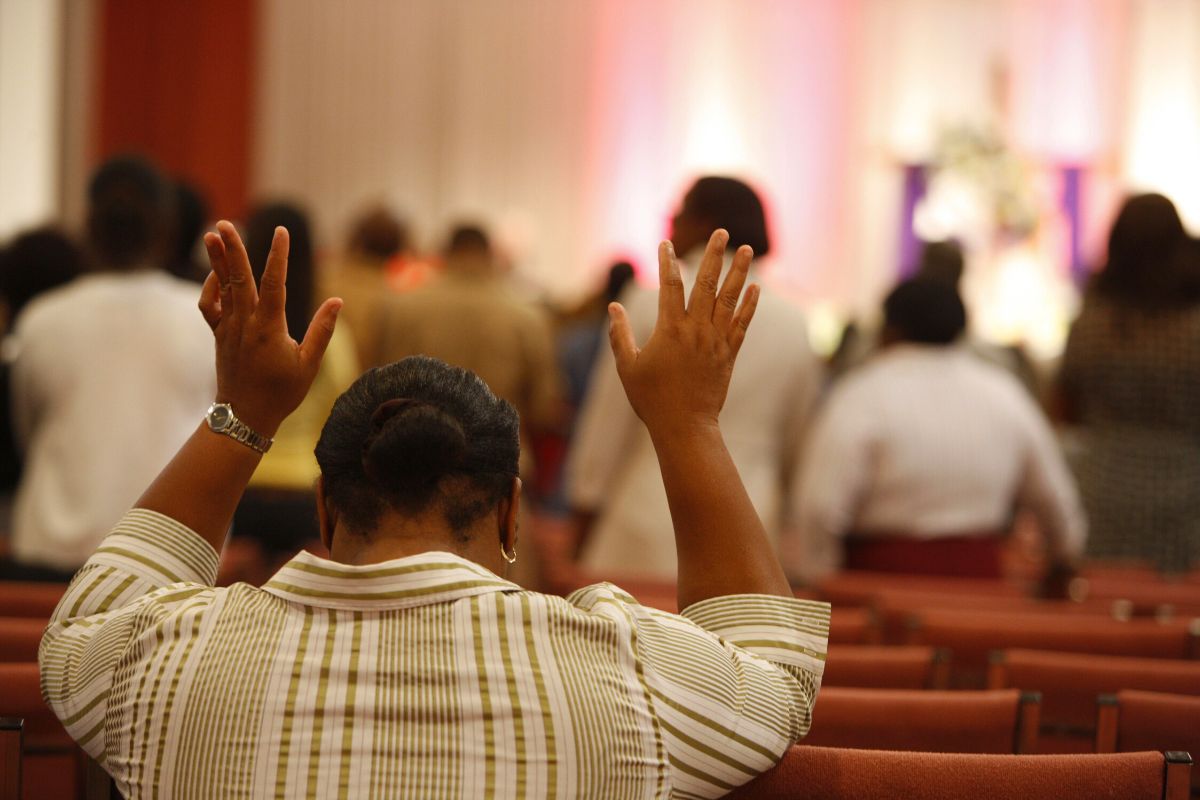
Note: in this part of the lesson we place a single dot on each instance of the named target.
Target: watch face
(220, 417)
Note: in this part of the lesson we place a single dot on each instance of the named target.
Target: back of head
(130, 214)
(924, 311)
(731, 204)
(260, 231)
(415, 433)
(191, 216)
(36, 262)
(941, 261)
(468, 240)
(1151, 260)
(378, 235)
(619, 276)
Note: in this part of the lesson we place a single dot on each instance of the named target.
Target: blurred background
(572, 129)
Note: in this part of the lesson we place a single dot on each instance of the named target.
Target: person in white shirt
(622, 519)
(118, 361)
(918, 459)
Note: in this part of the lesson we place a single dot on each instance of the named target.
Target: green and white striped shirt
(426, 676)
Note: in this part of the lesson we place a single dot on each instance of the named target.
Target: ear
(509, 516)
(327, 517)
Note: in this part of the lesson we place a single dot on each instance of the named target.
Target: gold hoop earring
(510, 559)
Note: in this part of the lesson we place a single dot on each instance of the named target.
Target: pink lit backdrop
(573, 127)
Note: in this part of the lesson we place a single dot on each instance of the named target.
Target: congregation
(326, 598)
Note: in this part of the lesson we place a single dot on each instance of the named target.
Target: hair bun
(412, 444)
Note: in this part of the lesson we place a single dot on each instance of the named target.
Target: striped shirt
(426, 676)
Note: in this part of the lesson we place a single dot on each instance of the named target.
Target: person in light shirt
(114, 362)
(919, 459)
(405, 664)
(622, 521)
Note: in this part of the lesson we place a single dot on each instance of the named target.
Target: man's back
(928, 441)
(476, 322)
(613, 468)
(110, 364)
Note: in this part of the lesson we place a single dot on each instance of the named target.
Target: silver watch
(221, 419)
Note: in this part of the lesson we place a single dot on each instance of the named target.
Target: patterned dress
(1134, 376)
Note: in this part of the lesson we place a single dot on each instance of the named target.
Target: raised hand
(679, 379)
(261, 371)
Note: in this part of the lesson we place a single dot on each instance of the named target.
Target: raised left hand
(262, 372)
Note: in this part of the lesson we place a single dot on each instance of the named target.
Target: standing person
(278, 512)
(918, 459)
(114, 362)
(378, 240)
(622, 518)
(470, 316)
(1131, 380)
(406, 665)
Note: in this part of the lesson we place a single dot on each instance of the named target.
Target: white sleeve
(834, 471)
(1048, 489)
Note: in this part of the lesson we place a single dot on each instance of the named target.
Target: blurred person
(33, 263)
(362, 277)
(943, 262)
(579, 339)
(470, 316)
(191, 218)
(621, 515)
(406, 665)
(918, 460)
(278, 511)
(579, 342)
(113, 362)
(1130, 379)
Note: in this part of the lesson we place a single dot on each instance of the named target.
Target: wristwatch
(221, 419)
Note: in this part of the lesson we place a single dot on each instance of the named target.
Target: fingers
(620, 336)
(272, 291)
(731, 289)
(741, 318)
(704, 293)
(210, 300)
(670, 284)
(319, 332)
(243, 296)
(216, 260)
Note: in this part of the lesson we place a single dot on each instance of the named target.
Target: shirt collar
(409, 582)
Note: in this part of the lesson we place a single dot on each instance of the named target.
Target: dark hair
(1152, 262)
(730, 204)
(260, 231)
(378, 234)
(466, 238)
(619, 276)
(191, 217)
(941, 261)
(36, 262)
(925, 311)
(415, 432)
(130, 212)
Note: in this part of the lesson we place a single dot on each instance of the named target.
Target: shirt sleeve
(145, 567)
(732, 681)
(1048, 489)
(834, 471)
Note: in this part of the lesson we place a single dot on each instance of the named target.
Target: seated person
(406, 665)
(918, 459)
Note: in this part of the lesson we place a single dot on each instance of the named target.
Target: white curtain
(571, 128)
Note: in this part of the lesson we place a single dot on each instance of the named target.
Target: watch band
(221, 419)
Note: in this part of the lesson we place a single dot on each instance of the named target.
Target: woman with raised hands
(405, 665)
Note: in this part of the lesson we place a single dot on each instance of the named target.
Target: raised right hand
(679, 380)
